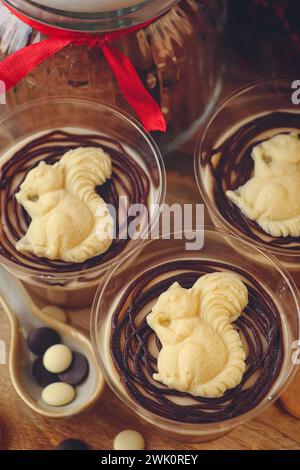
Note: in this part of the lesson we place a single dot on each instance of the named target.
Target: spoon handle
(15, 299)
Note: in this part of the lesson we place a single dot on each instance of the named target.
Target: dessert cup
(136, 163)
(223, 159)
(126, 347)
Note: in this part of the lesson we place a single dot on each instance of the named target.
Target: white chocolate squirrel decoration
(271, 197)
(202, 354)
(70, 221)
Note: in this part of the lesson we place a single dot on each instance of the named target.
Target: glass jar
(177, 56)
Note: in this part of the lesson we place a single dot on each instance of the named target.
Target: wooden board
(22, 429)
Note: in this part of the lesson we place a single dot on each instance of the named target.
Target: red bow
(19, 64)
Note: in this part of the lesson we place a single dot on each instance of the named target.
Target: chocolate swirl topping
(132, 339)
(128, 179)
(231, 166)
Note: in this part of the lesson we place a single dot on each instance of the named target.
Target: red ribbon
(21, 63)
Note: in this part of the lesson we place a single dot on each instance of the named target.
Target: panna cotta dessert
(270, 197)
(55, 191)
(65, 195)
(69, 220)
(248, 170)
(195, 343)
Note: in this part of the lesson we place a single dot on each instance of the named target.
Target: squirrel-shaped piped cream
(202, 354)
(271, 197)
(69, 220)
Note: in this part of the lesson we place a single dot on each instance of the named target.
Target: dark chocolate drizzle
(260, 325)
(234, 167)
(128, 179)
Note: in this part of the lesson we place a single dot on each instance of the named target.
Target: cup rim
(277, 251)
(152, 222)
(92, 22)
(186, 428)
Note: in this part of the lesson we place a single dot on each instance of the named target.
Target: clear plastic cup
(76, 288)
(232, 118)
(272, 280)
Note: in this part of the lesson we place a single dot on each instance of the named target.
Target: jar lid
(91, 15)
(89, 6)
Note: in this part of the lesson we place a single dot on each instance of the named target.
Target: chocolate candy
(129, 440)
(58, 358)
(58, 394)
(72, 444)
(42, 376)
(41, 339)
(77, 372)
(56, 369)
(55, 312)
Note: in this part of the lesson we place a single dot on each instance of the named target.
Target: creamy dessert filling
(27, 235)
(252, 178)
(241, 323)
(271, 196)
(69, 220)
(202, 354)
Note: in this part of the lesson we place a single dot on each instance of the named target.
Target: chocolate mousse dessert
(57, 191)
(194, 341)
(253, 177)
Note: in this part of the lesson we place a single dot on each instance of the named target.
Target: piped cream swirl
(271, 196)
(202, 354)
(70, 221)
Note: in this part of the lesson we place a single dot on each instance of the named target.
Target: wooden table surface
(23, 429)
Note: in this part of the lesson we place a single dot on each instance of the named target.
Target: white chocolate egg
(129, 440)
(58, 394)
(57, 358)
(55, 312)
